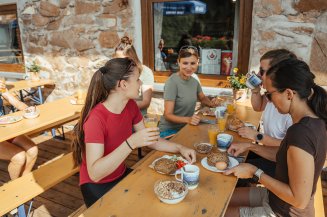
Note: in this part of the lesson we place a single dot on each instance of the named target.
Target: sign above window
(184, 7)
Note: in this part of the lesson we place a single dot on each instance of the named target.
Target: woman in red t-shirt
(104, 136)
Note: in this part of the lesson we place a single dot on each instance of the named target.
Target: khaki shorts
(259, 203)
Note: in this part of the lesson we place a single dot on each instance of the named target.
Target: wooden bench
(319, 201)
(25, 188)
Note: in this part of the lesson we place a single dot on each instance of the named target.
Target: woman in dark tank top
(301, 155)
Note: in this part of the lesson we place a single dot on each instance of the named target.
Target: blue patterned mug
(189, 174)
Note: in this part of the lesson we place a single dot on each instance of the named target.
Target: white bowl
(167, 193)
(31, 115)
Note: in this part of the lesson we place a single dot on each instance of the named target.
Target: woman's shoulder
(98, 111)
(131, 103)
(307, 126)
(147, 76)
(173, 78)
(146, 69)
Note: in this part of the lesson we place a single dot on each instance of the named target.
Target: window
(11, 55)
(214, 27)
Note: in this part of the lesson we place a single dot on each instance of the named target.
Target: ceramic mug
(220, 111)
(253, 80)
(224, 140)
(189, 174)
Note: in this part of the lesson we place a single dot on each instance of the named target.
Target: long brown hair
(103, 81)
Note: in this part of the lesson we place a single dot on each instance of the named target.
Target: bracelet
(129, 145)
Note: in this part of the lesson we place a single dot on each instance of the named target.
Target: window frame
(12, 67)
(244, 42)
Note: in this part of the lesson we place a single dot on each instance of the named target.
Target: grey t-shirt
(185, 94)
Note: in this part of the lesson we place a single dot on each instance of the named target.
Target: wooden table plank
(134, 195)
(51, 114)
(36, 181)
(24, 84)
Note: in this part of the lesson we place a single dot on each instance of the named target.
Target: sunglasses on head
(125, 72)
(269, 94)
(189, 47)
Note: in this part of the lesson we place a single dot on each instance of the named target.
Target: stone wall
(297, 25)
(70, 39)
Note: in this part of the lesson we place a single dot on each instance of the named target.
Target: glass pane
(10, 49)
(206, 24)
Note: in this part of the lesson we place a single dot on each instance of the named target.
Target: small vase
(240, 95)
(34, 76)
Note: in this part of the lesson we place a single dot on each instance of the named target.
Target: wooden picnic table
(134, 195)
(52, 114)
(24, 85)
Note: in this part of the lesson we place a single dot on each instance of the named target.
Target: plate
(247, 124)
(31, 115)
(74, 101)
(232, 163)
(174, 157)
(10, 119)
(206, 111)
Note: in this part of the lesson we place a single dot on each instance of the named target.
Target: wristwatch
(257, 175)
(259, 137)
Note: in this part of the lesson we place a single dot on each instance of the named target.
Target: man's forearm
(256, 100)
(266, 152)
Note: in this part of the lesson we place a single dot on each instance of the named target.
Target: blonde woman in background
(125, 48)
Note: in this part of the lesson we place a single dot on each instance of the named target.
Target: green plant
(34, 67)
(237, 80)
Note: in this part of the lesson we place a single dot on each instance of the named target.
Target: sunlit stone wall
(297, 25)
(70, 39)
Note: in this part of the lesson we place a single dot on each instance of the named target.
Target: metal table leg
(21, 211)
(21, 95)
(40, 94)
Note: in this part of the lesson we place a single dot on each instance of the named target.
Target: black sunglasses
(269, 94)
(125, 72)
(261, 71)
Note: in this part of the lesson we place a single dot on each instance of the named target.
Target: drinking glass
(79, 94)
(221, 122)
(231, 108)
(3, 80)
(212, 133)
(150, 120)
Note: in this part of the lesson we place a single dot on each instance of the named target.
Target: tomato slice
(180, 164)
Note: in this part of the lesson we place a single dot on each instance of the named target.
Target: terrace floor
(64, 198)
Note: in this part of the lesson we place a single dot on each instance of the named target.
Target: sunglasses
(126, 71)
(269, 94)
(261, 71)
(188, 47)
